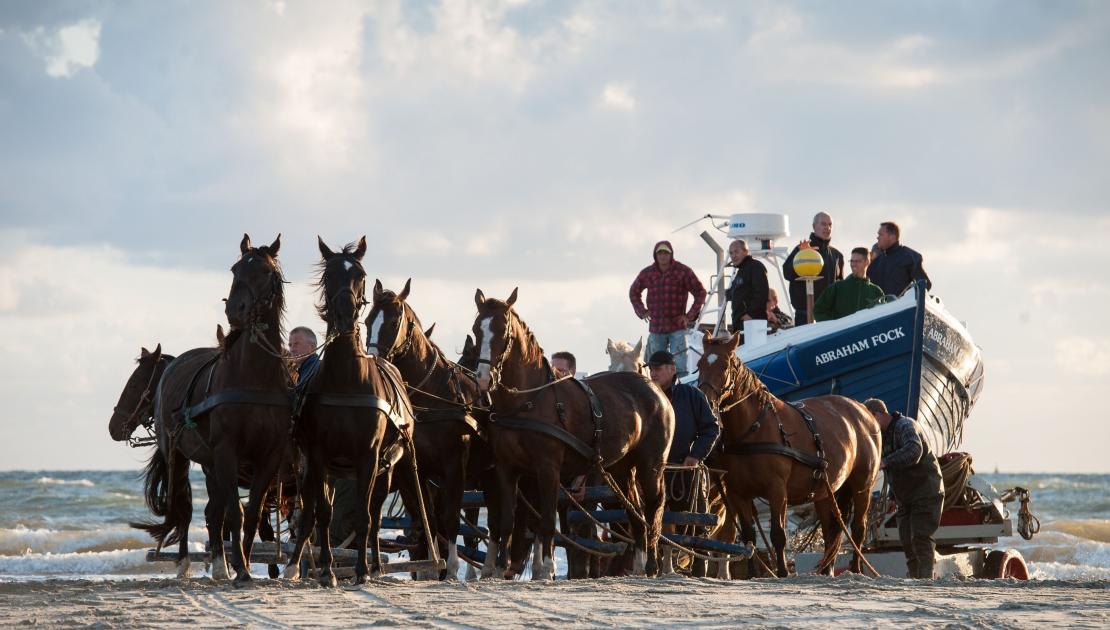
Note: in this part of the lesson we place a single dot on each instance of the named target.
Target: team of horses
(394, 413)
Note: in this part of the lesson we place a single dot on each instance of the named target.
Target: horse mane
(322, 266)
(530, 347)
(622, 347)
(749, 383)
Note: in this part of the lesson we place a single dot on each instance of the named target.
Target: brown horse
(136, 401)
(449, 449)
(356, 418)
(226, 408)
(770, 451)
(550, 429)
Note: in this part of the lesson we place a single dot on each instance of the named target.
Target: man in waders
(915, 479)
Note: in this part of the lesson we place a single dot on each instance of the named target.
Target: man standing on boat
(821, 240)
(897, 266)
(916, 482)
(668, 283)
(749, 289)
(849, 295)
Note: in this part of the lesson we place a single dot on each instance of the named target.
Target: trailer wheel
(1002, 564)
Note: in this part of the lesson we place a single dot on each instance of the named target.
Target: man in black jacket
(916, 482)
(820, 239)
(748, 291)
(897, 265)
(695, 426)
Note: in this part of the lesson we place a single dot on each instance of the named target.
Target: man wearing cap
(916, 482)
(695, 426)
(821, 240)
(668, 283)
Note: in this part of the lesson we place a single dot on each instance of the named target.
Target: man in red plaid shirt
(668, 283)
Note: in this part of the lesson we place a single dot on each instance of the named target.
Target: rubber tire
(1004, 564)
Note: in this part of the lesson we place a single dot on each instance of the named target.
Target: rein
(144, 410)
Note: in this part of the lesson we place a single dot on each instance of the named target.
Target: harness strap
(597, 413)
(551, 430)
(238, 397)
(358, 400)
(448, 415)
(770, 448)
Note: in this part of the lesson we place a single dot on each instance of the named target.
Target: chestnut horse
(355, 415)
(449, 448)
(769, 451)
(550, 429)
(228, 409)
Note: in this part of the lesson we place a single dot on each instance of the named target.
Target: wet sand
(619, 602)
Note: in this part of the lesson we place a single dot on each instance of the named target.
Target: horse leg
(363, 518)
(471, 542)
(746, 513)
(653, 497)
(214, 520)
(507, 482)
(447, 513)
(777, 501)
(323, 521)
(408, 484)
(547, 487)
(311, 491)
(830, 532)
(260, 485)
(861, 503)
(266, 534)
(494, 504)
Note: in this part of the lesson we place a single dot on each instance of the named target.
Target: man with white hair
(821, 240)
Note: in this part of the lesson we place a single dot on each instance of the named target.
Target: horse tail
(169, 495)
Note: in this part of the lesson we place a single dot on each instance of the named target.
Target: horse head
(623, 356)
(137, 399)
(469, 356)
(718, 367)
(256, 284)
(342, 285)
(390, 322)
(493, 336)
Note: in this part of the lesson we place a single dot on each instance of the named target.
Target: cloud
(618, 97)
(67, 49)
(1083, 356)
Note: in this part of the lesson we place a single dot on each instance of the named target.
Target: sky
(544, 145)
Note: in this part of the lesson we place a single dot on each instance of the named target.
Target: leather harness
(817, 462)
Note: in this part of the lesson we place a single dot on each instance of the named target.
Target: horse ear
(479, 297)
(428, 333)
(608, 345)
(325, 251)
(378, 289)
(512, 297)
(405, 291)
(468, 345)
(639, 346)
(734, 342)
(361, 250)
(220, 335)
(245, 244)
(157, 351)
(143, 353)
(275, 246)
(706, 337)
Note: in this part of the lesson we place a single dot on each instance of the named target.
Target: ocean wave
(1057, 547)
(22, 540)
(1097, 529)
(96, 563)
(52, 481)
(1071, 572)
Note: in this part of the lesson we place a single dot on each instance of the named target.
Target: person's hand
(644, 316)
(681, 320)
(691, 461)
(745, 318)
(578, 488)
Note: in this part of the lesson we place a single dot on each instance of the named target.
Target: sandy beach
(625, 602)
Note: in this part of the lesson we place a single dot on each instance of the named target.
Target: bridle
(728, 388)
(394, 349)
(495, 366)
(143, 413)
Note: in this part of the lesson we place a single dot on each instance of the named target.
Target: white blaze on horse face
(711, 359)
(375, 330)
(347, 265)
(485, 350)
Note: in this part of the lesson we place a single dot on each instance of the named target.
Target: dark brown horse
(552, 429)
(449, 448)
(228, 409)
(770, 452)
(356, 418)
(136, 401)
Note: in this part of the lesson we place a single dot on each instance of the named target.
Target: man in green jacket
(849, 295)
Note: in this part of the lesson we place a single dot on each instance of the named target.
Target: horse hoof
(273, 571)
(292, 573)
(471, 573)
(183, 569)
(219, 570)
(242, 579)
(361, 579)
(328, 580)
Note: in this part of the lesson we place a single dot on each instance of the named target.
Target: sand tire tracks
(218, 604)
(404, 615)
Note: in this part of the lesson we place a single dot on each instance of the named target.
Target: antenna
(708, 216)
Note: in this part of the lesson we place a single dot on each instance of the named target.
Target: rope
(513, 390)
(479, 535)
(840, 519)
(566, 539)
(590, 516)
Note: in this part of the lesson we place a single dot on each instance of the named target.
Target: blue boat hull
(911, 353)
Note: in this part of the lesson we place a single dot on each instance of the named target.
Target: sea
(74, 525)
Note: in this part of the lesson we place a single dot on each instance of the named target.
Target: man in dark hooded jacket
(669, 284)
(749, 290)
(820, 239)
(897, 265)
